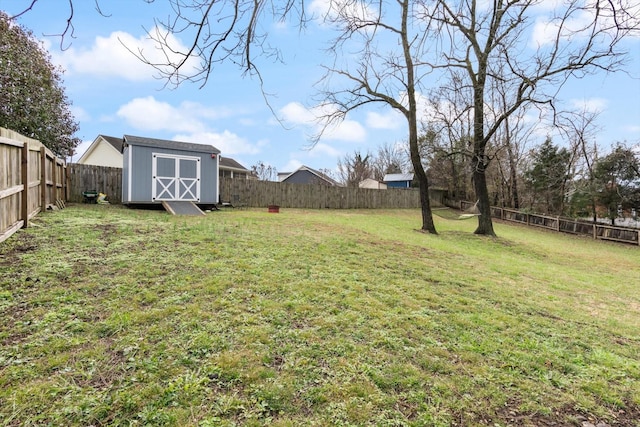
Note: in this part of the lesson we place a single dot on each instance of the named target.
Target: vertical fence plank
(24, 201)
(43, 178)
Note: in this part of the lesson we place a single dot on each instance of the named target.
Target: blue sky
(115, 94)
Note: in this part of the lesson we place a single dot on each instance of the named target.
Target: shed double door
(175, 177)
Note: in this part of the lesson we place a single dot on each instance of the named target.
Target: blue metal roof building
(398, 180)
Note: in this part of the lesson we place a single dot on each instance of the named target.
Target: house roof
(164, 143)
(115, 142)
(395, 177)
(317, 173)
(229, 163)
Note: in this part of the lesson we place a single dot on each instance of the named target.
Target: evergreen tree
(617, 178)
(547, 177)
(32, 98)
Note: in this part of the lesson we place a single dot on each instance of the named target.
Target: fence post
(43, 179)
(54, 185)
(24, 208)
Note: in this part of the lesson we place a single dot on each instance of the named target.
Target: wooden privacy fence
(314, 196)
(31, 179)
(98, 178)
(254, 193)
(565, 225)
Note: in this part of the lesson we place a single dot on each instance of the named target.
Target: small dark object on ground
(90, 196)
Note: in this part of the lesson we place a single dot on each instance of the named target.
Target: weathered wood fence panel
(309, 196)
(565, 225)
(254, 193)
(103, 179)
(31, 178)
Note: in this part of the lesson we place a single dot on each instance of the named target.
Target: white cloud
(291, 166)
(79, 113)
(391, 120)
(332, 10)
(551, 22)
(227, 142)
(591, 105)
(189, 121)
(295, 112)
(80, 149)
(346, 130)
(113, 56)
(324, 151)
(153, 115)
(150, 114)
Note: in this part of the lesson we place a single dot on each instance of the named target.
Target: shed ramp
(181, 208)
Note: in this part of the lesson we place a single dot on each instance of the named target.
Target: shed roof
(395, 177)
(164, 143)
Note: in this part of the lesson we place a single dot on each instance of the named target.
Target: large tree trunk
(421, 176)
(425, 203)
(485, 224)
(479, 161)
(412, 120)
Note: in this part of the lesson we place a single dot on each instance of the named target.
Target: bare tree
(354, 168)
(390, 158)
(393, 76)
(484, 41)
(580, 129)
(446, 136)
(264, 171)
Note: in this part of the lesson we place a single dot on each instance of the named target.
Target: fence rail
(564, 225)
(31, 179)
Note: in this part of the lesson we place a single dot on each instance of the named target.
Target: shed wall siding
(141, 166)
(126, 187)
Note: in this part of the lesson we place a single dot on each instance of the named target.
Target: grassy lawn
(112, 316)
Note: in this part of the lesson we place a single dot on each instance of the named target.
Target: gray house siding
(304, 177)
(153, 173)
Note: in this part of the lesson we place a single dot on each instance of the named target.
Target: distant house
(230, 168)
(103, 151)
(372, 183)
(398, 180)
(307, 175)
(158, 170)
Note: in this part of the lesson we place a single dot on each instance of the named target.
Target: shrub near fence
(565, 225)
(31, 178)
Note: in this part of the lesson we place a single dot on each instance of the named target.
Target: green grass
(113, 316)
